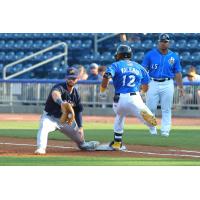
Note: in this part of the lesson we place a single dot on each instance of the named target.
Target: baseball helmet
(163, 37)
(123, 52)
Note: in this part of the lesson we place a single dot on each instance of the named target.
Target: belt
(131, 93)
(161, 79)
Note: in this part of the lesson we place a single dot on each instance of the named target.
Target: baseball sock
(118, 137)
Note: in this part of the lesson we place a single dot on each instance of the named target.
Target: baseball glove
(68, 115)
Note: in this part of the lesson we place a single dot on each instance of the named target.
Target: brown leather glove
(68, 115)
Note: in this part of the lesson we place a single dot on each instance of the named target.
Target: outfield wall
(29, 96)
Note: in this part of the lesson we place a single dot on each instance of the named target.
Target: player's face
(72, 81)
(163, 45)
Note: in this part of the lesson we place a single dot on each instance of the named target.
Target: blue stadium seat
(195, 57)
(19, 55)
(192, 44)
(28, 44)
(10, 56)
(19, 44)
(138, 57)
(185, 56)
(2, 56)
(181, 44)
(172, 45)
(2, 44)
(38, 44)
(76, 44)
(147, 44)
(137, 45)
(198, 69)
(9, 44)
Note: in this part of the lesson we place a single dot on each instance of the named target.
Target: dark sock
(118, 137)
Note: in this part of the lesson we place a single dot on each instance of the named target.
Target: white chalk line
(33, 145)
(127, 151)
(186, 151)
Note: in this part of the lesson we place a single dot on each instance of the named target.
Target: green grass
(181, 137)
(94, 161)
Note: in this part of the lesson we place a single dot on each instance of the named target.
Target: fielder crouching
(63, 112)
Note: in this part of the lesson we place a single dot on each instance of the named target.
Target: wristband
(59, 101)
(102, 89)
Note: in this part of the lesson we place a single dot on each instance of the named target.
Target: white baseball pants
(129, 105)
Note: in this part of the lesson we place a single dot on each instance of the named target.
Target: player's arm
(145, 81)
(56, 95)
(178, 76)
(179, 82)
(104, 84)
(144, 88)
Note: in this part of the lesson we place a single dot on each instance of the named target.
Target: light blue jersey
(127, 76)
(161, 66)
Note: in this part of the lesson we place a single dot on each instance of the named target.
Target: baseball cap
(164, 37)
(93, 65)
(72, 72)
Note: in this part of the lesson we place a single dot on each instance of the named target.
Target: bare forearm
(144, 88)
(179, 80)
(56, 95)
(104, 83)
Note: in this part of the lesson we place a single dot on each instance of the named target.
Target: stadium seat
(181, 44)
(136, 45)
(198, 69)
(192, 44)
(138, 57)
(10, 56)
(195, 57)
(2, 56)
(9, 44)
(185, 56)
(147, 44)
(19, 44)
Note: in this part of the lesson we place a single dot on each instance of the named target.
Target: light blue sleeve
(146, 61)
(177, 65)
(111, 69)
(145, 76)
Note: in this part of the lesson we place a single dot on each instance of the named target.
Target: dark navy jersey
(54, 109)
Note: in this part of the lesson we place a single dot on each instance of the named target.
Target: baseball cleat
(40, 151)
(165, 134)
(153, 130)
(117, 146)
(148, 118)
(89, 146)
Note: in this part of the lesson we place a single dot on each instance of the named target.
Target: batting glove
(103, 93)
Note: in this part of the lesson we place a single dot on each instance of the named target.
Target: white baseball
(70, 115)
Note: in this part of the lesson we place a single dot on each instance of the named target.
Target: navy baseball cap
(164, 37)
(72, 72)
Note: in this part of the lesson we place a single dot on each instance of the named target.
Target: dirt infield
(26, 147)
(129, 120)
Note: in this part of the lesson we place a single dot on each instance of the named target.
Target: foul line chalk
(126, 151)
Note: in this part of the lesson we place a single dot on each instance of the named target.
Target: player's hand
(103, 93)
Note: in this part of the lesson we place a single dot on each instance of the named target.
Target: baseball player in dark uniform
(61, 94)
(163, 66)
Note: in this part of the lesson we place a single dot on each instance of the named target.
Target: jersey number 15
(129, 79)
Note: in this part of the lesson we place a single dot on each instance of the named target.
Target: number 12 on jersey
(128, 80)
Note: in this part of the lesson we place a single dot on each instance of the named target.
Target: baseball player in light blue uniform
(163, 66)
(128, 78)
